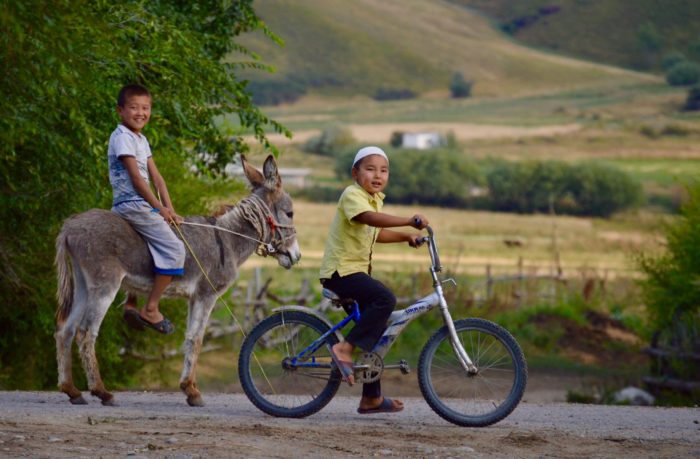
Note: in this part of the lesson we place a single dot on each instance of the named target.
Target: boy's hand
(176, 218)
(170, 216)
(419, 221)
(415, 240)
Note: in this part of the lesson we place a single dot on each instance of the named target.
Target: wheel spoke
(479, 399)
(293, 390)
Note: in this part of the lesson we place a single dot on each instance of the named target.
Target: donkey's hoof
(79, 400)
(195, 400)
(109, 402)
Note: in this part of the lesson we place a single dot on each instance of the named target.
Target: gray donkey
(107, 255)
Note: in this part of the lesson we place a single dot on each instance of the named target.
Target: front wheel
(274, 380)
(473, 400)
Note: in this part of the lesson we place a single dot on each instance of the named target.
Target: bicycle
(471, 372)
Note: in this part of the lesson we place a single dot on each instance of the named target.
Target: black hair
(131, 90)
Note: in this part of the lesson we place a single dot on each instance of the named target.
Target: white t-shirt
(124, 142)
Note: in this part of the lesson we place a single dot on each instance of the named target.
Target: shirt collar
(123, 128)
(371, 197)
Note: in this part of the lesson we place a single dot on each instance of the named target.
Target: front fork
(457, 347)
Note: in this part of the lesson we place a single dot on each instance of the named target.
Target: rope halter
(255, 211)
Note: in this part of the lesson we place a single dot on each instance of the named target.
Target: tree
(671, 293)
(63, 63)
(684, 73)
(584, 189)
(459, 87)
(692, 102)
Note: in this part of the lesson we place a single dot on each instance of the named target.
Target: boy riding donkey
(131, 165)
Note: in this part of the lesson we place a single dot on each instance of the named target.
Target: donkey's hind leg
(65, 333)
(99, 300)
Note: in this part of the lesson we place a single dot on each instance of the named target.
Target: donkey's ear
(253, 175)
(273, 181)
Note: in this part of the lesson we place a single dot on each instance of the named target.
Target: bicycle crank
(369, 368)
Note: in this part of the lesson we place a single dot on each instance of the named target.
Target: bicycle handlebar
(417, 222)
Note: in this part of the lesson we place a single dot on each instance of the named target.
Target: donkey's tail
(64, 291)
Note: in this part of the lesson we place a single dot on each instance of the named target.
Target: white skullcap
(366, 151)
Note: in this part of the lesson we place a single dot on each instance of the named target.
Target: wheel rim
(481, 395)
(280, 383)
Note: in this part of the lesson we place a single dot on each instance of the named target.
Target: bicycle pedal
(402, 366)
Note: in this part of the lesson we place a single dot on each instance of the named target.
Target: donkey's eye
(290, 214)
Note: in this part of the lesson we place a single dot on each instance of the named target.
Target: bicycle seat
(330, 294)
(338, 302)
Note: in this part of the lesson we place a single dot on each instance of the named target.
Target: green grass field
(349, 48)
(602, 31)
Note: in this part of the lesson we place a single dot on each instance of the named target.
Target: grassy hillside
(341, 47)
(629, 33)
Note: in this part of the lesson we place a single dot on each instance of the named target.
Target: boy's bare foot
(342, 356)
(379, 405)
(343, 351)
(152, 316)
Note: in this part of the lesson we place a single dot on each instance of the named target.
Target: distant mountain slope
(629, 33)
(344, 47)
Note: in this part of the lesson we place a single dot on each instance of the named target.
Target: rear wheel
(473, 400)
(276, 384)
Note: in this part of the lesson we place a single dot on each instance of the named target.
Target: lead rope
(211, 284)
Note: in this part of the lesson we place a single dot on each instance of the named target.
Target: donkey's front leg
(197, 319)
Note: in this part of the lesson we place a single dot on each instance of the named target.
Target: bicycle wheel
(473, 400)
(272, 382)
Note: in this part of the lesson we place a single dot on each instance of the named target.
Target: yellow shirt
(349, 243)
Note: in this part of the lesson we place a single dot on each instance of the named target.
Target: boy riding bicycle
(346, 266)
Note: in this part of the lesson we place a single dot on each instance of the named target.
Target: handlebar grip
(417, 222)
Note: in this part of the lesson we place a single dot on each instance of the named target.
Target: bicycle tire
(290, 392)
(482, 399)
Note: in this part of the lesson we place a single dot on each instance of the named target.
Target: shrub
(649, 131)
(670, 283)
(684, 73)
(601, 190)
(585, 189)
(459, 87)
(319, 193)
(432, 177)
(330, 142)
(671, 293)
(393, 94)
(677, 130)
(276, 92)
(396, 139)
(672, 58)
(693, 100)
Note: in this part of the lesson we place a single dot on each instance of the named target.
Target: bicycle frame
(398, 320)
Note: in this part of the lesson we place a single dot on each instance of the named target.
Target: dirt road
(147, 424)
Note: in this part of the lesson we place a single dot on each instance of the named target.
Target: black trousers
(376, 303)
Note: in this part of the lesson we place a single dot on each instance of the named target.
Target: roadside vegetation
(61, 78)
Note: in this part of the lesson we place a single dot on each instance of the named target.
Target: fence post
(489, 282)
(520, 292)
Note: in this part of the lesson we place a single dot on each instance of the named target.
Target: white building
(290, 177)
(422, 140)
